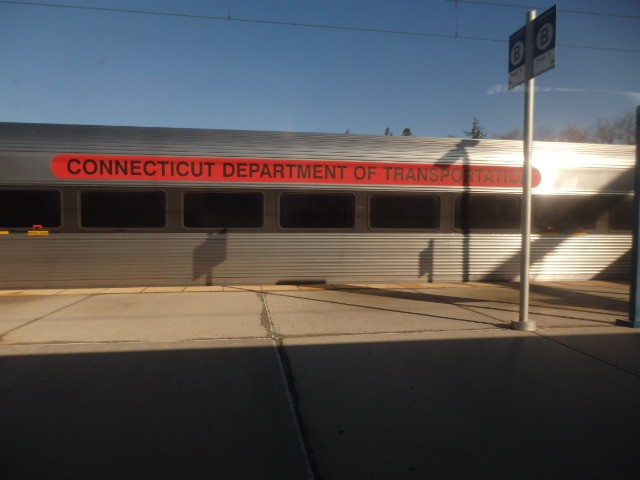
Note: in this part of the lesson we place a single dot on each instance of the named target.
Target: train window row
(108, 209)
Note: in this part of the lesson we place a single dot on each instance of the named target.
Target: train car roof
(46, 136)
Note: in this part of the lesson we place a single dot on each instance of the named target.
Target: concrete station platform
(328, 382)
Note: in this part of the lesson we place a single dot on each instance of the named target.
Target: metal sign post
(523, 322)
(531, 52)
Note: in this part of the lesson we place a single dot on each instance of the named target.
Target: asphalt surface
(344, 382)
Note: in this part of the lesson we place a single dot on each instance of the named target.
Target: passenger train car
(94, 206)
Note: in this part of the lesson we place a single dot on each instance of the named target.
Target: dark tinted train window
(317, 211)
(487, 212)
(216, 210)
(564, 214)
(26, 208)
(122, 209)
(405, 211)
(621, 214)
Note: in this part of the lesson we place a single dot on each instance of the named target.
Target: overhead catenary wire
(532, 7)
(230, 18)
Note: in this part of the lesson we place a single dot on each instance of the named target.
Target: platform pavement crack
(14, 329)
(588, 355)
(290, 389)
(464, 307)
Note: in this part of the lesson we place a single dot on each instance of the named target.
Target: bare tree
(625, 128)
(603, 131)
(514, 134)
(573, 133)
(546, 134)
(620, 130)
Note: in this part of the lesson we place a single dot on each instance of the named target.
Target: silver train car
(98, 206)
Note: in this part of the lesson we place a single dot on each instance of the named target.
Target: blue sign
(517, 58)
(533, 54)
(544, 42)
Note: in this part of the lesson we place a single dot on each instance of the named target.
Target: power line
(229, 18)
(528, 7)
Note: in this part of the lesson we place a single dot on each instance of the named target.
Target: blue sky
(264, 70)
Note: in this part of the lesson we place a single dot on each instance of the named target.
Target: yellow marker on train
(37, 230)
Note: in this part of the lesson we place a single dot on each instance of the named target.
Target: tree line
(620, 130)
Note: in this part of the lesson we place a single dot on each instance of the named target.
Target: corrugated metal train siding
(78, 260)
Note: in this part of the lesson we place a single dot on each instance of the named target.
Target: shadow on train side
(460, 153)
(622, 264)
(448, 408)
(208, 255)
(539, 248)
(547, 244)
(425, 262)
